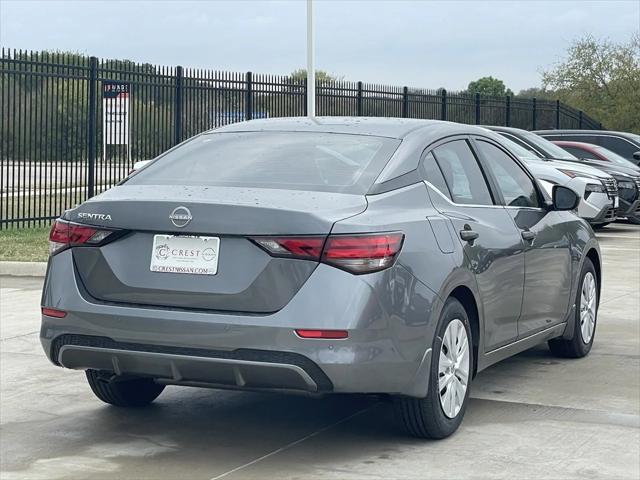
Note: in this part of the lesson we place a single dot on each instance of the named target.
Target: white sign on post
(115, 113)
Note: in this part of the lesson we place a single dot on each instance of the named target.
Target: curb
(23, 269)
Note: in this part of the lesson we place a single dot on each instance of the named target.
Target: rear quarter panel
(423, 274)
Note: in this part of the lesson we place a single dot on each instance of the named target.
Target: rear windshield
(289, 160)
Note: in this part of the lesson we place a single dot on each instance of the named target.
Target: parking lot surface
(533, 415)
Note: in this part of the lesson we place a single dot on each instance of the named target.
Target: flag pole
(311, 69)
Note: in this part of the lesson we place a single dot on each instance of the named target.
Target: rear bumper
(248, 369)
(389, 317)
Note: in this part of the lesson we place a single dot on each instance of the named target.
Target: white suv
(598, 190)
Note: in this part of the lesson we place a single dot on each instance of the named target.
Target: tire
(136, 392)
(426, 417)
(600, 226)
(634, 220)
(578, 346)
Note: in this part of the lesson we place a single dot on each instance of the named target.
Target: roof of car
(375, 126)
(586, 132)
(497, 128)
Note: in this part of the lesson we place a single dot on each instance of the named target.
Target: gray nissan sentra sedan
(350, 255)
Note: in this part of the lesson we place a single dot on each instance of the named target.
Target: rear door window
(462, 173)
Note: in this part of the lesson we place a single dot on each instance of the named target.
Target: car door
(547, 283)
(491, 245)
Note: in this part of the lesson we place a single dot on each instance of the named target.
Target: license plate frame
(185, 254)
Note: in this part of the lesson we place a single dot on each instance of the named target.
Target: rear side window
(462, 173)
(517, 188)
(434, 175)
(285, 160)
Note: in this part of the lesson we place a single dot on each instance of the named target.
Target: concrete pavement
(530, 416)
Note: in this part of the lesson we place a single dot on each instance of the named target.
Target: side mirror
(636, 155)
(564, 198)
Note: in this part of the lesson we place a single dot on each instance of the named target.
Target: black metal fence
(55, 151)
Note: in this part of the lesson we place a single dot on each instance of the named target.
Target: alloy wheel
(588, 305)
(453, 368)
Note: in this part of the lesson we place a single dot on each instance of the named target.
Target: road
(530, 416)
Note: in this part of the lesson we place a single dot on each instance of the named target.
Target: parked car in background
(348, 255)
(598, 190)
(596, 205)
(614, 164)
(589, 151)
(625, 177)
(625, 144)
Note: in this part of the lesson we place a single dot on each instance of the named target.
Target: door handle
(528, 235)
(468, 235)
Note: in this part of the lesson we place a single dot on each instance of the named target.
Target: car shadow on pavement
(216, 431)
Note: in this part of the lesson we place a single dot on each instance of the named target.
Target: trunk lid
(247, 279)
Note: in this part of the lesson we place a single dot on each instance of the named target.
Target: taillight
(308, 248)
(355, 253)
(65, 234)
(362, 253)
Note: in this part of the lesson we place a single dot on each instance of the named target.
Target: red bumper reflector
(53, 312)
(325, 334)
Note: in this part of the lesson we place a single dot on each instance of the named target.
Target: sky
(427, 44)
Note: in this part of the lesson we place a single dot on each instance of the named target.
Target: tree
(602, 78)
(537, 92)
(489, 86)
(300, 76)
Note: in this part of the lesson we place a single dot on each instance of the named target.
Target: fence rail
(52, 149)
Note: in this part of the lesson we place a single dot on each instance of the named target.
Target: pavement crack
(535, 411)
(18, 336)
(296, 442)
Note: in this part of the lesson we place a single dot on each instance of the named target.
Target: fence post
(359, 100)
(477, 109)
(405, 102)
(557, 114)
(534, 113)
(507, 113)
(443, 106)
(91, 127)
(305, 107)
(580, 119)
(178, 106)
(248, 103)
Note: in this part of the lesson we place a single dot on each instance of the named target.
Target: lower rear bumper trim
(242, 369)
